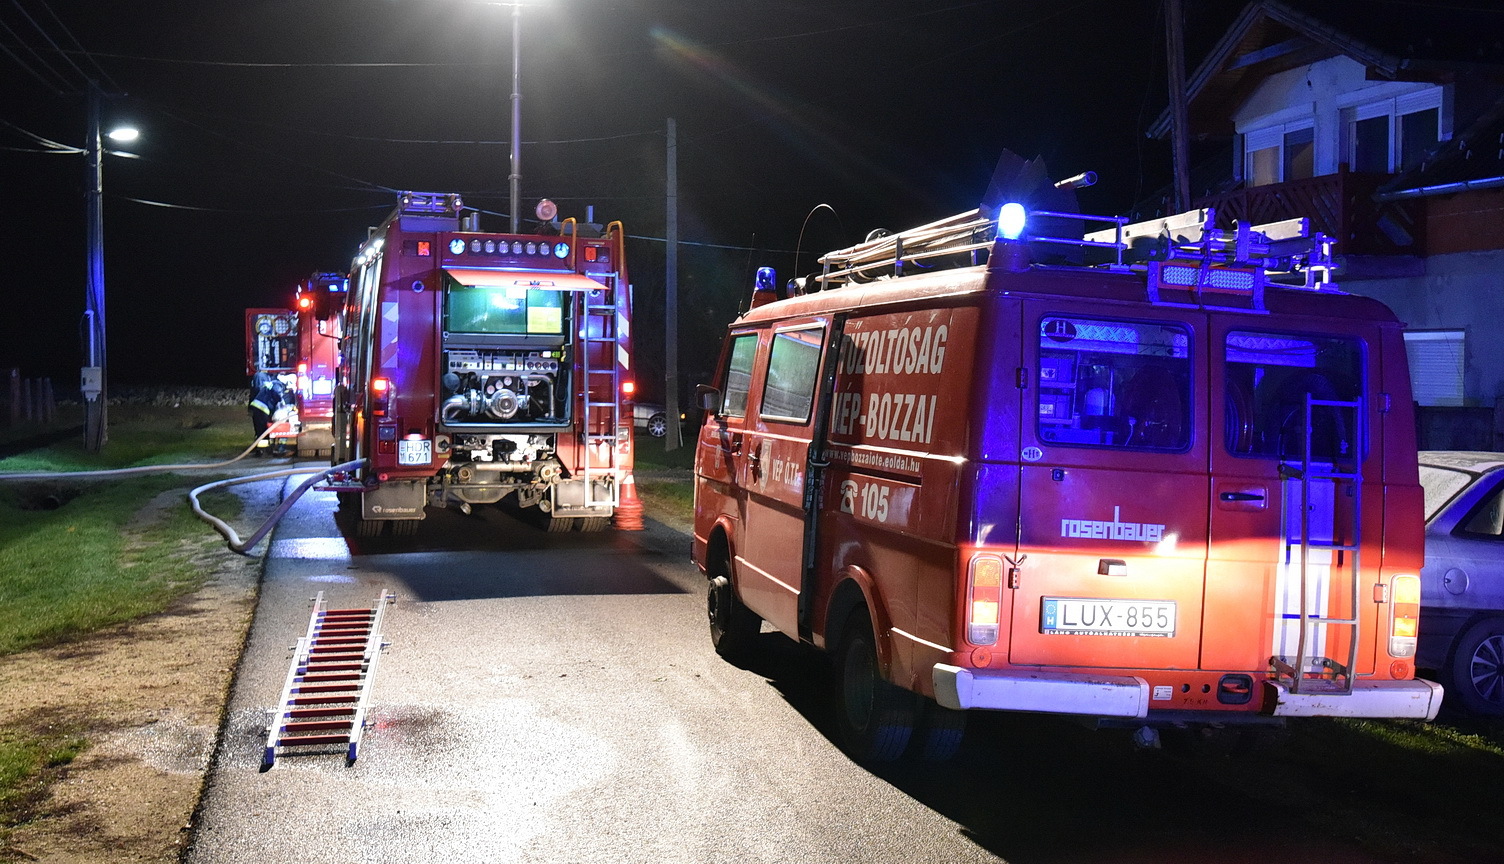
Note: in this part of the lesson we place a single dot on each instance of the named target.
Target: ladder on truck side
(328, 688)
(1322, 530)
(602, 418)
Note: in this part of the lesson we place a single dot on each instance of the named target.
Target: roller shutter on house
(1436, 362)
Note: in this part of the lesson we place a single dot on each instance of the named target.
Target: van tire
(938, 734)
(733, 627)
(875, 718)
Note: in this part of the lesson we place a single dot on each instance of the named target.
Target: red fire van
(1178, 491)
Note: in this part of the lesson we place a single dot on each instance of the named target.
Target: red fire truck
(485, 368)
(271, 346)
(319, 301)
(1171, 492)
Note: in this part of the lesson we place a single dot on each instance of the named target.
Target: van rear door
(1265, 369)
(1112, 489)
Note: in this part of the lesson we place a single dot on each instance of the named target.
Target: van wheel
(733, 627)
(876, 719)
(1477, 668)
(938, 734)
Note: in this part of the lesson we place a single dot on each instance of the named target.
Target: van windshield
(1114, 383)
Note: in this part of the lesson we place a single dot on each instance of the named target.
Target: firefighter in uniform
(266, 396)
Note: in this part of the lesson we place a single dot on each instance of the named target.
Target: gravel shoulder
(149, 697)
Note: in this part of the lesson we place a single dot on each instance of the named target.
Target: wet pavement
(548, 698)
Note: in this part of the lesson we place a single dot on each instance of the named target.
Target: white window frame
(1394, 108)
(1272, 136)
(1438, 365)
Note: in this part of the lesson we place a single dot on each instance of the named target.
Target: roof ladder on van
(1319, 582)
(602, 420)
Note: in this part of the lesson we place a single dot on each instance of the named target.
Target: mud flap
(397, 500)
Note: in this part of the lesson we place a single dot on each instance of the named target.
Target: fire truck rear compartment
(489, 386)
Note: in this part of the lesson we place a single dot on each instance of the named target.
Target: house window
(1419, 132)
(1392, 135)
(1371, 145)
(1275, 154)
(1436, 358)
(1300, 154)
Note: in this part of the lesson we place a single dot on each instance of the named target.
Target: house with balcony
(1383, 123)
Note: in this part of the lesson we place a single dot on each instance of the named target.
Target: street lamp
(92, 377)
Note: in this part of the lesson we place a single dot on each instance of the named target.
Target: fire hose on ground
(232, 539)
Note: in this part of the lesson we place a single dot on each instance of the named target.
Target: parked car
(1462, 583)
(651, 418)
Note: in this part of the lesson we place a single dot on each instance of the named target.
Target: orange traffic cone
(629, 509)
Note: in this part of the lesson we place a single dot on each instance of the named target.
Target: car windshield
(1441, 485)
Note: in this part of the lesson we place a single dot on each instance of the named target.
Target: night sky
(277, 132)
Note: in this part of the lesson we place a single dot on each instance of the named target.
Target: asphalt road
(548, 698)
(554, 698)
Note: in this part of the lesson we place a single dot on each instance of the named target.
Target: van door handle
(1241, 496)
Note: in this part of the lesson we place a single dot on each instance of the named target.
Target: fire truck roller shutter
(523, 279)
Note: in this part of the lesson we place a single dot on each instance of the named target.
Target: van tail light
(984, 599)
(381, 396)
(1404, 615)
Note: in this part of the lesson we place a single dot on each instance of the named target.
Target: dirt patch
(148, 696)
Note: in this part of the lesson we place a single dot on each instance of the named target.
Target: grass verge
(28, 761)
(78, 555)
(75, 558)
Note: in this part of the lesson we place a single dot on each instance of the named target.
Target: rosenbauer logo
(1088, 529)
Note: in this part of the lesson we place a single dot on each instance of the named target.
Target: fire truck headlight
(1010, 221)
(1404, 615)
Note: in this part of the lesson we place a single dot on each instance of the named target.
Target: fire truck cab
(1170, 492)
(482, 368)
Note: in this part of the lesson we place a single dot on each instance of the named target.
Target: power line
(80, 48)
(50, 40)
(52, 146)
(300, 212)
(55, 87)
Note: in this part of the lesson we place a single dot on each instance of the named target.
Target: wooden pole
(1179, 113)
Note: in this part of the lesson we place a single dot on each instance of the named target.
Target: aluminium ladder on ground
(1311, 670)
(599, 333)
(327, 693)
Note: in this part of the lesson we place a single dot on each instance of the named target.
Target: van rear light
(1404, 615)
(381, 396)
(984, 599)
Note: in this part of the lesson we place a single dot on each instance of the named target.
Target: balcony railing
(1340, 205)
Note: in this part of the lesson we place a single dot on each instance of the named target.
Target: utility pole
(92, 378)
(672, 438)
(1179, 119)
(516, 176)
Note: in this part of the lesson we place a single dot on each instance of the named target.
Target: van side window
(739, 375)
(1114, 383)
(793, 368)
(1269, 376)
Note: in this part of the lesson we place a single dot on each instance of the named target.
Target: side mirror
(708, 398)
